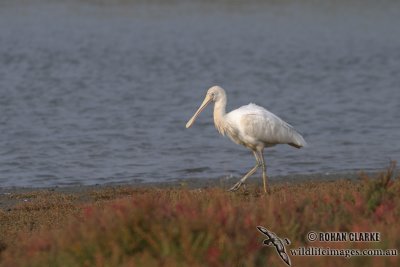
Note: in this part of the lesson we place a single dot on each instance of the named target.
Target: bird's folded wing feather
(266, 126)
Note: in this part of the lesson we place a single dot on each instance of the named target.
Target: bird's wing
(263, 125)
(285, 258)
(265, 231)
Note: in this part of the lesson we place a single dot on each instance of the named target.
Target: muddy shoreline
(193, 183)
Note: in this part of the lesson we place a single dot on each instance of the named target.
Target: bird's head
(214, 94)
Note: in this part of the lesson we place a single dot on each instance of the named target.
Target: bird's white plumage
(255, 125)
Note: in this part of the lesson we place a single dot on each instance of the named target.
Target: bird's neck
(219, 115)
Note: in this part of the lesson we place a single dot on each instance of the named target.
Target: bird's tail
(298, 141)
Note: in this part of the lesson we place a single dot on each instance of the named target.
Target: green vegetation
(127, 226)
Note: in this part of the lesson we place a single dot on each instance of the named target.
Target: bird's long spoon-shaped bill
(206, 101)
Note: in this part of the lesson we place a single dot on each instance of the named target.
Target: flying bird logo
(279, 243)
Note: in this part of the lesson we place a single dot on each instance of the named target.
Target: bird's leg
(241, 181)
(264, 171)
(251, 172)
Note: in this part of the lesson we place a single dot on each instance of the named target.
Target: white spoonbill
(251, 126)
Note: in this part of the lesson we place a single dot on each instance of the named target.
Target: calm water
(97, 93)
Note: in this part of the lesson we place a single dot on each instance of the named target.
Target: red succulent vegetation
(211, 227)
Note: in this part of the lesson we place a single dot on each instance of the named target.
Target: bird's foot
(267, 191)
(267, 242)
(236, 186)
